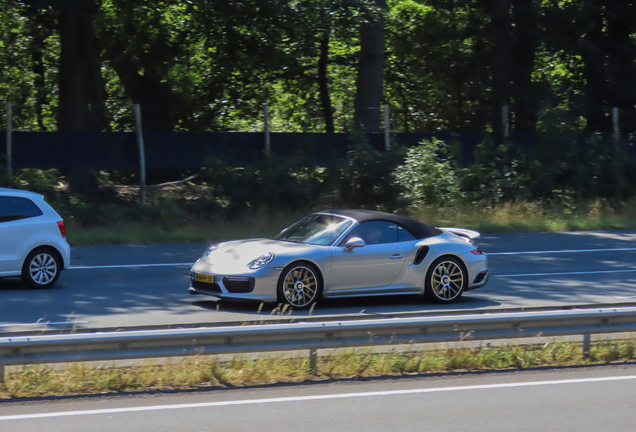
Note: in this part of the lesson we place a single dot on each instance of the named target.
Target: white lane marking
(313, 398)
(560, 251)
(128, 266)
(43, 323)
(489, 254)
(565, 273)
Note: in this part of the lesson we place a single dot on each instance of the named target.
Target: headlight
(261, 261)
(209, 251)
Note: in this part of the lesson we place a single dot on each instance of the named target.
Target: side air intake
(420, 255)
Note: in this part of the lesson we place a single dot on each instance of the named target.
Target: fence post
(387, 131)
(617, 131)
(266, 126)
(505, 122)
(9, 153)
(142, 154)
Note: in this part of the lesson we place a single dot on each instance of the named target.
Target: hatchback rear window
(14, 208)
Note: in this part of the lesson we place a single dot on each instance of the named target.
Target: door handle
(397, 256)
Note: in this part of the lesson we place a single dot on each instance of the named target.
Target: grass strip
(176, 226)
(208, 371)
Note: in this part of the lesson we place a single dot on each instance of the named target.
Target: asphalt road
(110, 286)
(580, 399)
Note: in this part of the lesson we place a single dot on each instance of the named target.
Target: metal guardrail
(46, 328)
(19, 350)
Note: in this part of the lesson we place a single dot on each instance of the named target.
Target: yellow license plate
(204, 278)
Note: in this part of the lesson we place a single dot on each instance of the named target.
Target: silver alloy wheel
(300, 286)
(447, 280)
(43, 268)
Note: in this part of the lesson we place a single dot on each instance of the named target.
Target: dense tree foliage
(321, 65)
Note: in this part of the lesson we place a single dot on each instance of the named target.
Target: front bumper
(257, 285)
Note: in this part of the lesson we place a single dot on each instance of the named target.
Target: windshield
(316, 229)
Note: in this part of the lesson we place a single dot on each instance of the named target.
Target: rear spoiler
(462, 232)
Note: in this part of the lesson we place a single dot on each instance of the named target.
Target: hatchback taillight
(62, 228)
(477, 251)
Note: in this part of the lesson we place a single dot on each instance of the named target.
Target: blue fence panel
(180, 150)
(74, 150)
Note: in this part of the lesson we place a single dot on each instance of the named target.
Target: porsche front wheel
(445, 280)
(299, 285)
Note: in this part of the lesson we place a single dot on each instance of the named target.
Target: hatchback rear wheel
(41, 268)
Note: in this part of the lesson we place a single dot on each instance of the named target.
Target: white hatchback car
(32, 239)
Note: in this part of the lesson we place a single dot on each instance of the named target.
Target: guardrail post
(1, 374)
(313, 360)
(586, 345)
(9, 146)
(142, 154)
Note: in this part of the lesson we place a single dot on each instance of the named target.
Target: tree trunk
(323, 85)
(37, 47)
(81, 88)
(370, 67)
(149, 90)
(526, 42)
(621, 51)
(501, 43)
(593, 56)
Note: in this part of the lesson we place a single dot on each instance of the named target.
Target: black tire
(446, 280)
(42, 268)
(299, 285)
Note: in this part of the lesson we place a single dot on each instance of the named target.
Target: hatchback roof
(19, 193)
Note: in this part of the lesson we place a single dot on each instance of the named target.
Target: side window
(14, 208)
(403, 235)
(376, 232)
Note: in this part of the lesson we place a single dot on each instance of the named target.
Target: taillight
(62, 228)
(477, 251)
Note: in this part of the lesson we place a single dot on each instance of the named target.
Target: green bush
(610, 167)
(274, 183)
(495, 176)
(560, 167)
(44, 182)
(428, 175)
(367, 179)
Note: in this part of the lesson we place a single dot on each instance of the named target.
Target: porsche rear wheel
(445, 280)
(299, 285)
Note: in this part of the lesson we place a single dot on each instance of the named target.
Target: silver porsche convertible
(344, 253)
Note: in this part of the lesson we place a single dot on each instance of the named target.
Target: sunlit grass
(507, 217)
(208, 371)
(179, 231)
(523, 216)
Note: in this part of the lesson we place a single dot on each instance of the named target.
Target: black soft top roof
(418, 229)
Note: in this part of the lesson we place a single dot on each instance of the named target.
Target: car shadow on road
(16, 284)
(366, 306)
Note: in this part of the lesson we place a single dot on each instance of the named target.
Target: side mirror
(354, 242)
